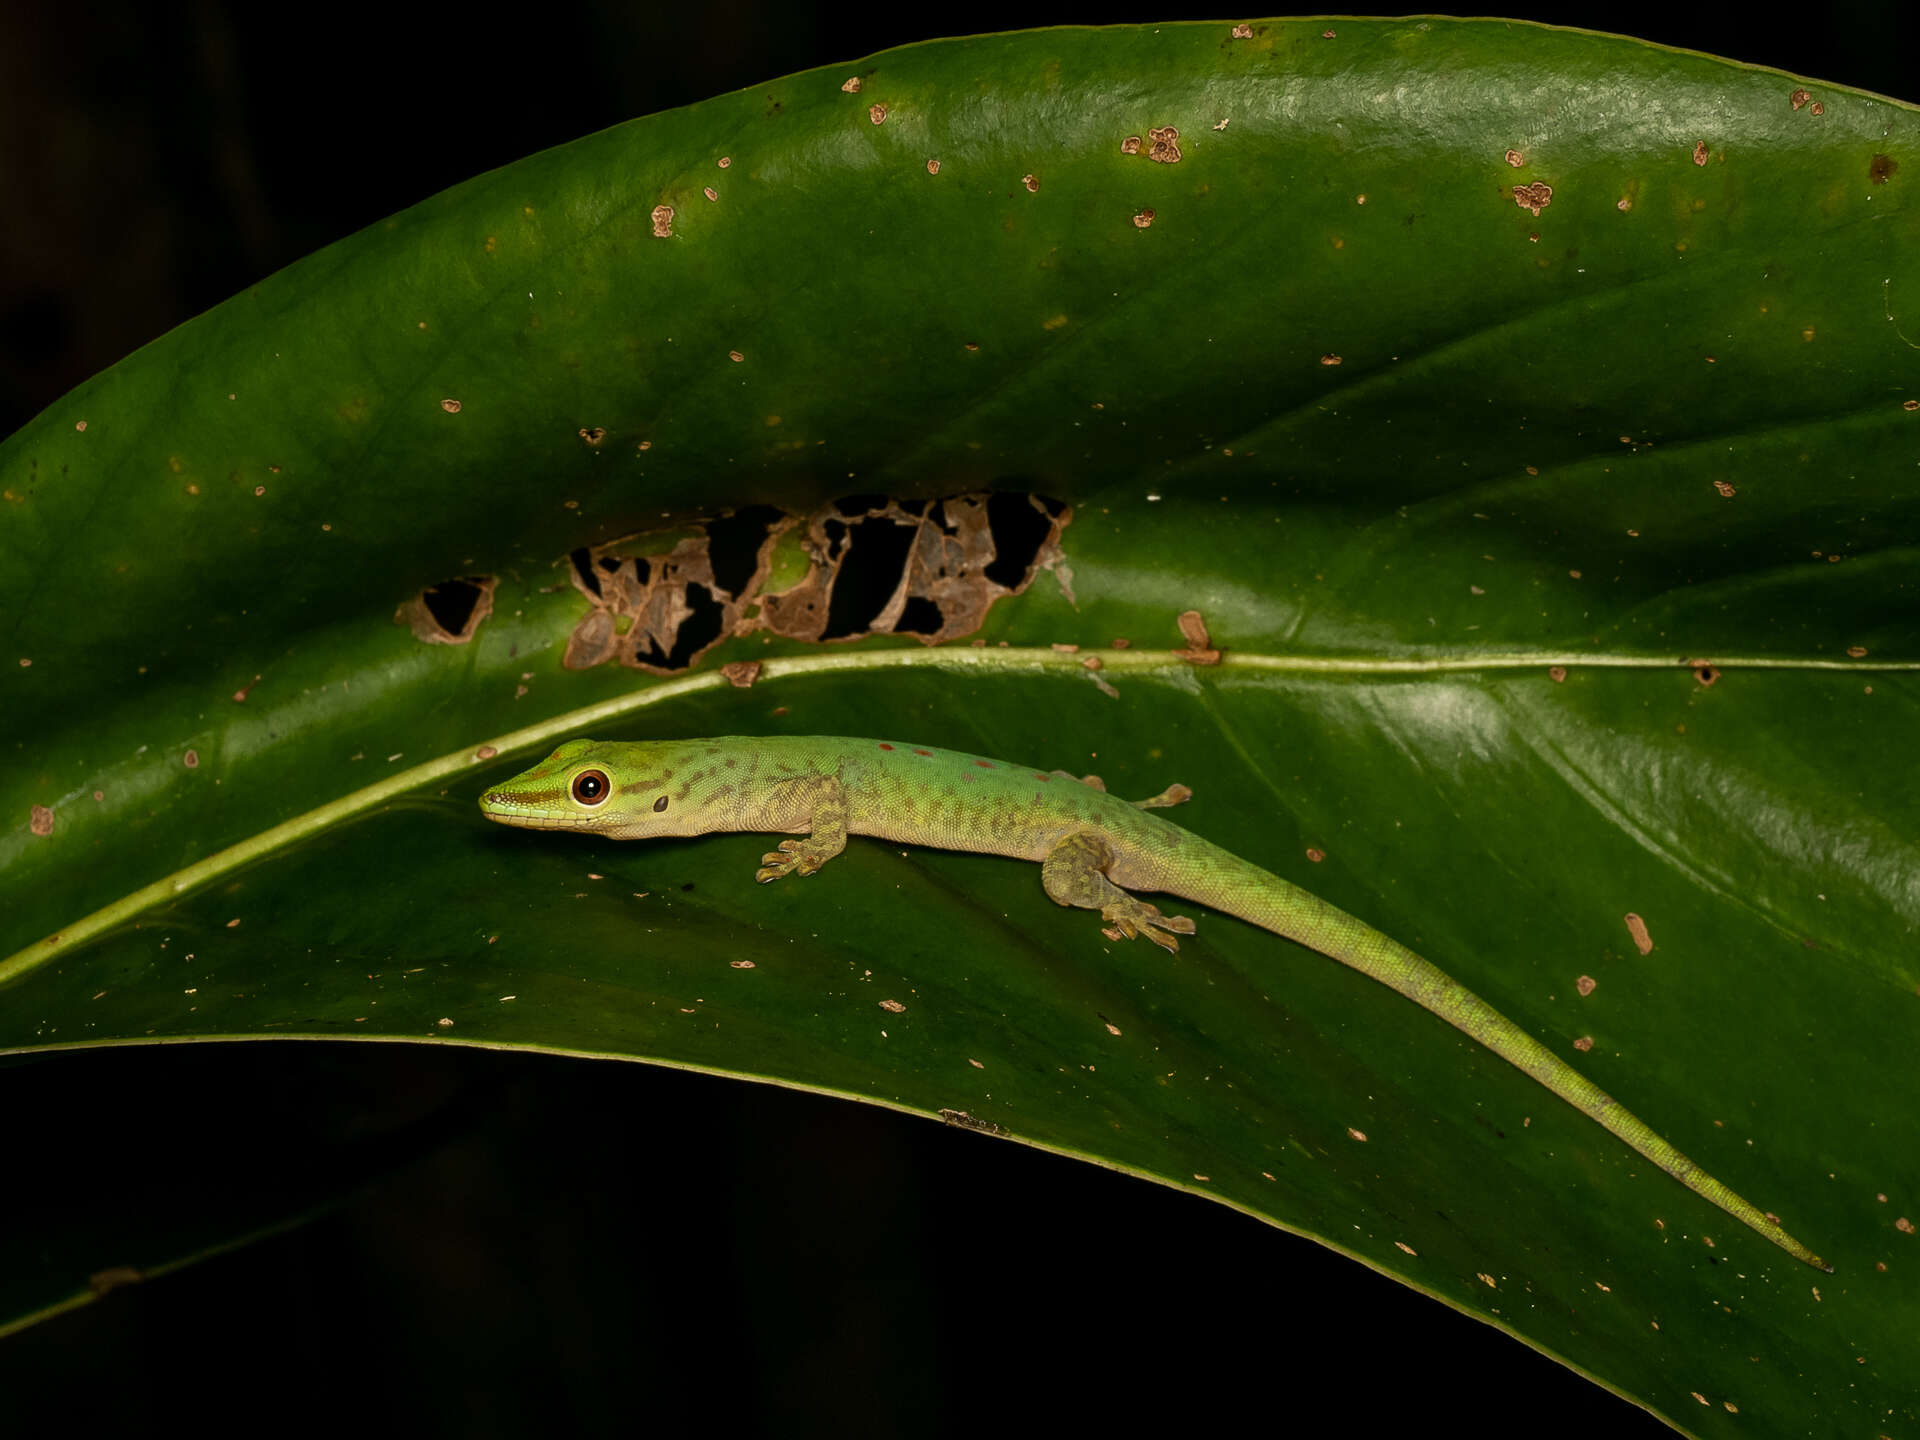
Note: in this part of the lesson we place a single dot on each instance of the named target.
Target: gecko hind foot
(1131, 917)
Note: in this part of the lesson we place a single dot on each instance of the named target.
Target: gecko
(1094, 850)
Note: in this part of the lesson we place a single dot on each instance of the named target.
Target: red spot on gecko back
(1038, 776)
(984, 764)
(885, 746)
(923, 752)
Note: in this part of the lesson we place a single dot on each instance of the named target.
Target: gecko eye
(590, 787)
(659, 804)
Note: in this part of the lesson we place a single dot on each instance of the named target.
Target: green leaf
(1562, 562)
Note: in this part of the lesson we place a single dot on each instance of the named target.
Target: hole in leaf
(920, 616)
(700, 628)
(1019, 529)
(876, 553)
(733, 546)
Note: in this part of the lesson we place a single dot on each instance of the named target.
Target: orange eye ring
(591, 787)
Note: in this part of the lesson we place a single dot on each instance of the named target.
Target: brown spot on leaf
(1625, 202)
(191, 759)
(451, 406)
(1143, 218)
(1031, 182)
(1316, 854)
(1880, 169)
(449, 613)
(1637, 928)
(1798, 98)
(741, 673)
(1243, 32)
(1130, 145)
(1557, 674)
(485, 752)
(1535, 197)
(1699, 152)
(40, 819)
(735, 356)
(851, 85)
(1857, 652)
(593, 434)
(933, 167)
(1586, 984)
(973, 1122)
(1329, 359)
(894, 1006)
(1199, 649)
(240, 695)
(1903, 1225)
(113, 1277)
(1584, 1043)
(710, 192)
(1705, 673)
(1726, 490)
(724, 161)
(1165, 145)
(1516, 159)
(877, 114)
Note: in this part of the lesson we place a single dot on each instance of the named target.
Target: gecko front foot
(1132, 917)
(800, 856)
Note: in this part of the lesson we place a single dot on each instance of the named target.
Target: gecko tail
(1266, 900)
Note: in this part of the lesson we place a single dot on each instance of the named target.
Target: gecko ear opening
(590, 787)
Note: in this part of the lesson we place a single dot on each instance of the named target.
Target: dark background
(579, 1247)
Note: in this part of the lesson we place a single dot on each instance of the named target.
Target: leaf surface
(1526, 412)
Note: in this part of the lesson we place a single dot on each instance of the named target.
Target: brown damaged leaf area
(873, 565)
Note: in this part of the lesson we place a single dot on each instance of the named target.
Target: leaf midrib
(1010, 660)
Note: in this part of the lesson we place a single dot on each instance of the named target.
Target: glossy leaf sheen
(1344, 396)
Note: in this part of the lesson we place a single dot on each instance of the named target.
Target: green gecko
(1093, 848)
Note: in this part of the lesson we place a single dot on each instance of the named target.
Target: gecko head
(620, 789)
